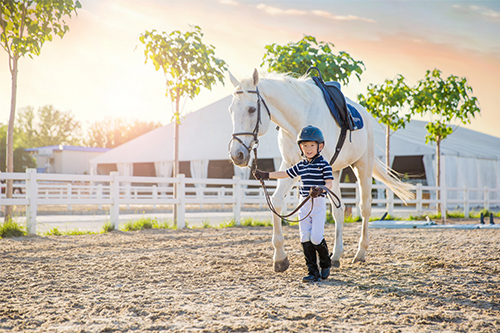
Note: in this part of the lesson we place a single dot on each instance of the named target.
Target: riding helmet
(310, 133)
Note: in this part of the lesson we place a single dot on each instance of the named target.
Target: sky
(98, 71)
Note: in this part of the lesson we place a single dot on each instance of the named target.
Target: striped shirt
(312, 174)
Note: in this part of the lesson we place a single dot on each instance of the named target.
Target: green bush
(11, 229)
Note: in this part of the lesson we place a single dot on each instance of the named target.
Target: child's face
(310, 148)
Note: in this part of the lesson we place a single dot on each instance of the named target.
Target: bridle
(254, 144)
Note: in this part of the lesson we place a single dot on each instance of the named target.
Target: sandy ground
(222, 280)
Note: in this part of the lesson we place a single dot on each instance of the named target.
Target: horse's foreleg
(338, 216)
(280, 258)
(364, 175)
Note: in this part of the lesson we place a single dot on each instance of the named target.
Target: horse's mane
(303, 85)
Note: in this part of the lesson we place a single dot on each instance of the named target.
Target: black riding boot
(311, 262)
(324, 259)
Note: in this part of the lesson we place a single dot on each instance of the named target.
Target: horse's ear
(234, 81)
(255, 77)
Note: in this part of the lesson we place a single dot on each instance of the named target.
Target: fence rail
(65, 189)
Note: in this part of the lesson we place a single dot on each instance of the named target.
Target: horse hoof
(282, 265)
(336, 263)
(358, 260)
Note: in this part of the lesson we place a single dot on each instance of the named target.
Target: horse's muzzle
(239, 155)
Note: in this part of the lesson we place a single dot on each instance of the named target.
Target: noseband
(255, 142)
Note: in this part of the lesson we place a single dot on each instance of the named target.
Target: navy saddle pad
(345, 114)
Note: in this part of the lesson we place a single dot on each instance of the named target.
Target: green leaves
(187, 63)
(386, 102)
(298, 57)
(448, 99)
(25, 25)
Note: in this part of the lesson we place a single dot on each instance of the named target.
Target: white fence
(115, 191)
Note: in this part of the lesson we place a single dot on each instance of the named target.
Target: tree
(112, 133)
(188, 65)
(49, 127)
(386, 102)
(26, 25)
(298, 57)
(449, 100)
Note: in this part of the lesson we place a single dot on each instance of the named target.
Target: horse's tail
(390, 178)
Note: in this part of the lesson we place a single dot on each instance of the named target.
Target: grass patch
(143, 223)
(477, 214)
(11, 229)
(162, 224)
(77, 232)
(250, 222)
(351, 219)
(108, 227)
(228, 224)
(455, 215)
(54, 232)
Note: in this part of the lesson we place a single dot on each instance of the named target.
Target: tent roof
(205, 134)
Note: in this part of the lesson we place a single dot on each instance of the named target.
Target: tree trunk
(175, 168)
(438, 174)
(387, 146)
(387, 161)
(10, 137)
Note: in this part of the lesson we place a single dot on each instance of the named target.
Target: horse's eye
(251, 109)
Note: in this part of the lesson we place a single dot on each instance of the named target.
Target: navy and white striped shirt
(312, 174)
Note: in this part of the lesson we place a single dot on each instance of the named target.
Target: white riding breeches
(312, 228)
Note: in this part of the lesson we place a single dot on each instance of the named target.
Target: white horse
(294, 104)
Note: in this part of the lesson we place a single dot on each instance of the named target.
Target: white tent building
(470, 158)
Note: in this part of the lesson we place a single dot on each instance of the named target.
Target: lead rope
(268, 198)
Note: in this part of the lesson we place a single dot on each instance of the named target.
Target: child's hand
(315, 192)
(261, 175)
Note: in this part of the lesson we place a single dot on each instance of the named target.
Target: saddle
(346, 115)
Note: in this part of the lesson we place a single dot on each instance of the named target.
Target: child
(314, 171)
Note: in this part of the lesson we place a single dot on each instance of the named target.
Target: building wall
(72, 162)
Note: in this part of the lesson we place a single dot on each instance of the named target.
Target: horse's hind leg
(364, 170)
(338, 215)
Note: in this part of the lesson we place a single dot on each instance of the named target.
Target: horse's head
(251, 118)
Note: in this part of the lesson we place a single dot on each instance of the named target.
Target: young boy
(314, 171)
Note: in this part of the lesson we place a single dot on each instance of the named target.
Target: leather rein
(254, 144)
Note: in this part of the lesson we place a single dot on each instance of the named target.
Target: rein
(254, 144)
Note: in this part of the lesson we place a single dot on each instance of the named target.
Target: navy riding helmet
(310, 133)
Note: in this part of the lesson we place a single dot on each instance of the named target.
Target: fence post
(114, 193)
(419, 199)
(390, 204)
(32, 196)
(99, 194)
(222, 195)
(70, 194)
(180, 222)
(237, 199)
(486, 198)
(155, 195)
(466, 201)
(127, 193)
(444, 198)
